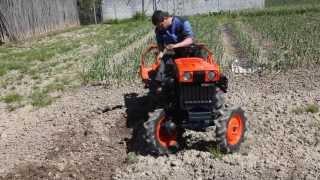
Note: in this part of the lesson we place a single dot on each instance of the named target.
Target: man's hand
(186, 42)
(160, 55)
(170, 46)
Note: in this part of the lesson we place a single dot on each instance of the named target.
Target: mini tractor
(191, 97)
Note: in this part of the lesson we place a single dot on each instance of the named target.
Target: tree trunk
(95, 14)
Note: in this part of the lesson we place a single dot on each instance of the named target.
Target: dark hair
(158, 16)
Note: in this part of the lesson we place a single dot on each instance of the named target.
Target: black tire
(156, 143)
(232, 121)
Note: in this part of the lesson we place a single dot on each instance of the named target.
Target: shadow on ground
(137, 108)
(137, 113)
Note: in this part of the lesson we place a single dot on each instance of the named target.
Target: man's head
(161, 19)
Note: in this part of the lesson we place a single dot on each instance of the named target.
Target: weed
(131, 158)
(40, 98)
(3, 71)
(312, 108)
(294, 37)
(55, 86)
(309, 108)
(35, 77)
(140, 16)
(215, 152)
(270, 3)
(12, 98)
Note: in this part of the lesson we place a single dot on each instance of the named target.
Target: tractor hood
(189, 68)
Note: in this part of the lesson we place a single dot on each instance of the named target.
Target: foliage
(41, 98)
(106, 68)
(292, 30)
(131, 158)
(89, 11)
(206, 30)
(270, 3)
(310, 108)
(139, 16)
(11, 98)
(273, 11)
(295, 37)
(215, 152)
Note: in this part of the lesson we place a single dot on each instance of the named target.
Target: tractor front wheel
(230, 129)
(160, 135)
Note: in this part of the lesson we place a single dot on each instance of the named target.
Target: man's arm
(186, 42)
(187, 33)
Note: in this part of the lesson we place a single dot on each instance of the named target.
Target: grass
(293, 48)
(22, 58)
(12, 98)
(295, 38)
(215, 152)
(56, 86)
(131, 158)
(41, 98)
(292, 28)
(60, 54)
(113, 71)
(207, 30)
(271, 3)
(309, 108)
(293, 31)
(312, 108)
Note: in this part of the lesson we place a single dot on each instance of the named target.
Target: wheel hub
(235, 129)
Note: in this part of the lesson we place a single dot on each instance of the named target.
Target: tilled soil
(280, 143)
(92, 133)
(82, 136)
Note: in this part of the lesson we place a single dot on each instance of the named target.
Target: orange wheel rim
(235, 129)
(163, 137)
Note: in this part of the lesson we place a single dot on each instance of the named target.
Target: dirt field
(88, 134)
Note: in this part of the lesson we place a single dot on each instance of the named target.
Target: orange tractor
(191, 97)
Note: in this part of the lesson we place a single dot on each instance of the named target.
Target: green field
(35, 69)
(285, 34)
(271, 3)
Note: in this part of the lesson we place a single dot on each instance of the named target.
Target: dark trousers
(165, 62)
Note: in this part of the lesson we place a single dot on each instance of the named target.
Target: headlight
(211, 75)
(187, 76)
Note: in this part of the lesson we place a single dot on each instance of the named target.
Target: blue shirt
(178, 31)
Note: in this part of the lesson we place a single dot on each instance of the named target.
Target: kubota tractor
(191, 97)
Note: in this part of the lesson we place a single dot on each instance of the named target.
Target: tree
(90, 7)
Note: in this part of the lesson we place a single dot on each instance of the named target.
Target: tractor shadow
(137, 109)
(201, 145)
(137, 113)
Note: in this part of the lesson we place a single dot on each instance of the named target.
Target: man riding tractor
(186, 90)
(172, 33)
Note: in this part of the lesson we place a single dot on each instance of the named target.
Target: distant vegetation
(32, 72)
(294, 39)
(270, 3)
(286, 35)
(43, 66)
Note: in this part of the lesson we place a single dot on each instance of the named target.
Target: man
(172, 33)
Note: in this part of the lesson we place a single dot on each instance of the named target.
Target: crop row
(294, 39)
(207, 30)
(106, 68)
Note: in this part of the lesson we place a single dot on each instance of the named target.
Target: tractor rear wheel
(161, 139)
(230, 129)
